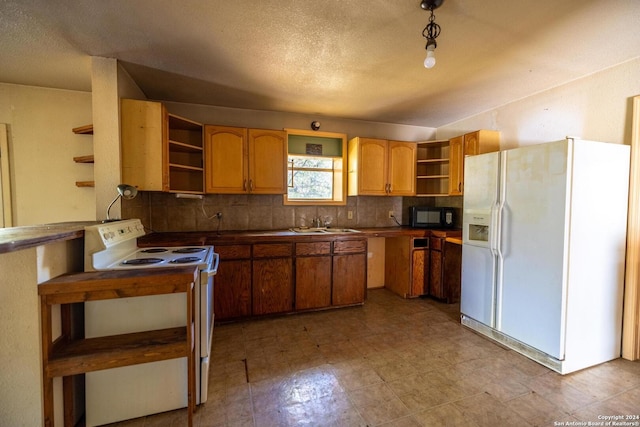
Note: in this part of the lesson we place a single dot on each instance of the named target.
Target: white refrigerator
(544, 236)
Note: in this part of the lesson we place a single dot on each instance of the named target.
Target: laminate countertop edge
(14, 239)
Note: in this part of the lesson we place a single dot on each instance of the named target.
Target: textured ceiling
(339, 58)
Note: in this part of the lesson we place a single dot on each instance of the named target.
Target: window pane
(311, 162)
(311, 185)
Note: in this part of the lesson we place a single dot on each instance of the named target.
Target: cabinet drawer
(315, 248)
(435, 243)
(349, 246)
(233, 251)
(270, 250)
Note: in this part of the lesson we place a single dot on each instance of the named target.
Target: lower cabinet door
(419, 272)
(349, 279)
(232, 290)
(436, 285)
(272, 285)
(313, 282)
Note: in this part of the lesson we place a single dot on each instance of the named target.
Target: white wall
(596, 107)
(20, 339)
(274, 120)
(41, 148)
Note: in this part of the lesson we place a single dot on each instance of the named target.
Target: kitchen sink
(304, 230)
(341, 230)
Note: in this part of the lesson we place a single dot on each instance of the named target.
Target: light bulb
(430, 60)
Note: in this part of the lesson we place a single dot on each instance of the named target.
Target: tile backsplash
(163, 212)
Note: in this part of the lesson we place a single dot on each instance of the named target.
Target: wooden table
(71, 354)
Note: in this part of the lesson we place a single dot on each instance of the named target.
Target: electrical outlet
(390, 214)
(349, 214)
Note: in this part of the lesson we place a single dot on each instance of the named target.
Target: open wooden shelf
(93, 354)
(84, 130)
(88, 159)
(84, 159)
(432, 177)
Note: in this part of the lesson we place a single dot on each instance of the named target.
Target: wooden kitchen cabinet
(452, 270)
(379, 167)
(349, 274)
(440, 163)
(240, 160)
(432, 168)
(226, 165)
(160, 151)
(406, 265)
(436, 281)
(313, 275)
(232, 290)
(470, 144)
(272, 283)
(445, 263)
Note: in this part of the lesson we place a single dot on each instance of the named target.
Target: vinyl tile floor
(396, 363)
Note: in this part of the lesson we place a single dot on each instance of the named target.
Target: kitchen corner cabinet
(88, 159)
(406, 265)
(160, 151)
(440, 163)
(470, 144)
(240, 160)
(378, 167)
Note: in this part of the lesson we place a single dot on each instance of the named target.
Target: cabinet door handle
(251, 185)
(244, 185)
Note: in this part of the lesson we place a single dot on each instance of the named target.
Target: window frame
(339, 174)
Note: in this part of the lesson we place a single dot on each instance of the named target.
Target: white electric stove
(134, 391)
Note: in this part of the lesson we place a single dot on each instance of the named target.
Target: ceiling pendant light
(431, 31)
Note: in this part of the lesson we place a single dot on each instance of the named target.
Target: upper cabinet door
(372, 167)
(226, 160)
(144, 145)
(267, 161)
(456, 165)
(402, 168)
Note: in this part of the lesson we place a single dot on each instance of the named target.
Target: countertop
(17, 238)
(211, 237)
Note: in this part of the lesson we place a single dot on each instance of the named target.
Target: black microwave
(430, 217)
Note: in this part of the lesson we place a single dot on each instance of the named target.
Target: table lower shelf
(94, 354)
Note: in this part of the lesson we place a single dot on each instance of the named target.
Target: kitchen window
(315, 174)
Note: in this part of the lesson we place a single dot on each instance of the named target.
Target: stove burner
(188, 250)
(185, 260)
(142, 261)
(153, 250)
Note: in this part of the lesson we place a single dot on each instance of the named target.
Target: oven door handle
(213, 270)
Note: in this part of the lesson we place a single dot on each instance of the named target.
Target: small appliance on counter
(431, 217)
